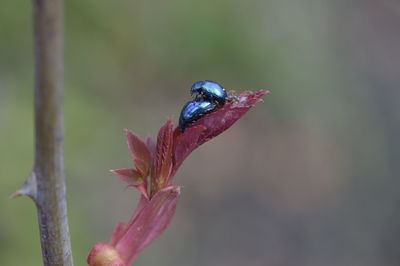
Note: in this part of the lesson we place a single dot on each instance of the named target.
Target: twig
(46, 185)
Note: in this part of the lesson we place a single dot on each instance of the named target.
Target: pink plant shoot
(156, 163)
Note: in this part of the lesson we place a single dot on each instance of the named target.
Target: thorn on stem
(27, 189)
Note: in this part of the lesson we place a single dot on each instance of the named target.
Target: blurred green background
(310, 177)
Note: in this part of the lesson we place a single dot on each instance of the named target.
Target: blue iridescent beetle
(208, 97)
(210, 91)
(193, 111)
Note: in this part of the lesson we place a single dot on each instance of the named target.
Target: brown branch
(46, 186)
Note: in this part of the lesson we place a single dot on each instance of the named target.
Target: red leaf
(133, 178)
(141, 167)
(163, 157)
(138, 148)
(148, 223)
(151, 145)
(222, 119)
(143, 189)
(184, 144)
(118, 233)
(212, 125)
(121, 227)
(128, 175)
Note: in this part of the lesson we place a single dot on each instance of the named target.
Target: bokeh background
(310, 177)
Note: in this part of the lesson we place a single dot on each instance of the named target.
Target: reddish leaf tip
(212, 125)
(139, 150)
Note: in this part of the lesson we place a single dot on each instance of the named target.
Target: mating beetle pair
(209, 96)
